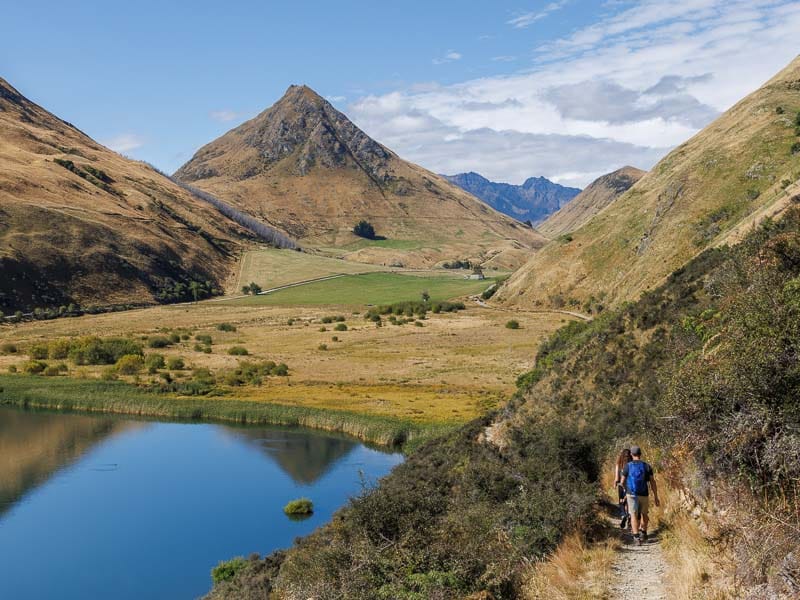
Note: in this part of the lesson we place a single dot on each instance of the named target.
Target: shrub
(206, 350)
(58, 349)
(301, 506)
(227, 570)
(364, 229)
(154, 362)
(419, 324)
(512, 324)
(340, 327)
(174, 338)
(12, 369)
(795, 148)
(205, 338)
(34, 367)
(51, 371)
(158, 341)
(130, 364)
(238, 351)
(8, 348)
(175, 364)
(109, 374)
(38, 351)
(102, 351)
(226, 327)
(323, 329)
(252, 288)
(322, 347)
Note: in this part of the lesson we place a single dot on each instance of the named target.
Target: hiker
(623, 459)
(639, 480)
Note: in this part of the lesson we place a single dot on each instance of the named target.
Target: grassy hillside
(370, 288)
(704, 370)
(597, 195)
(308, 170)
(744, 163)
(82, 224)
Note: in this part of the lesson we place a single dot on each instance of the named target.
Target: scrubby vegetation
(365, 230)
(704, 368)
(301, 506)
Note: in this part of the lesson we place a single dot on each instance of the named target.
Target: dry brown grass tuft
(577, 570)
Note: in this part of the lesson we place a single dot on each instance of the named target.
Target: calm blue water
(96, 507)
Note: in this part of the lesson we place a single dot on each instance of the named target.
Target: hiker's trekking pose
(623, 459)
(639, 479)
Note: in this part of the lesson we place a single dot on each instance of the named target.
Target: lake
(108, 507)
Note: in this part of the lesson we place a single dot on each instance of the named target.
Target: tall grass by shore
(62, 393)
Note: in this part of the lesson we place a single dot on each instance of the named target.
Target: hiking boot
(644, 536)
(623, 522)
(638, 539)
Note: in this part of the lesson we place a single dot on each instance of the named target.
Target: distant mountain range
(533, 201)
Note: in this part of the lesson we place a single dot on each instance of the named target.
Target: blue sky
(568, 89)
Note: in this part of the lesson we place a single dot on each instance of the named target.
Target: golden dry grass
(454, 368)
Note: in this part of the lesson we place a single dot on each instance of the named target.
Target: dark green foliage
(340, 327)
(512, 324)
(159, 341)
(175, 364)
(90, 174)
(226, 327)
(185, 291)
(795, 149)
(458, 264)
(130, 364)
(102, 351)
(411, 308)
(364, 229)
(34, 367)
(154, 362)
(204, 338)
(8, 348)
(333, 319)
(238, 351)
(253, 373)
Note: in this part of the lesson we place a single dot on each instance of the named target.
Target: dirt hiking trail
(639, 571)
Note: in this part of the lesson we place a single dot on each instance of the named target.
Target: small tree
(245, 289)
(255, 289)
(425, 296)
(364, 229)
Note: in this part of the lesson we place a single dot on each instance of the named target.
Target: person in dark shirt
(639, 480)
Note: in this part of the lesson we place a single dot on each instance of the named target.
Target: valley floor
(453, 368)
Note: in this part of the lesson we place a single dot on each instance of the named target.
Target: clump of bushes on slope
(411, 308)
(89, 350)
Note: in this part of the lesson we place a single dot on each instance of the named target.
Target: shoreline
(113, 397)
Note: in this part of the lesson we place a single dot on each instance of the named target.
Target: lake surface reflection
(105, 507)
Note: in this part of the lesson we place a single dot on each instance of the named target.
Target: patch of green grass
(388, 243)
(371, 288)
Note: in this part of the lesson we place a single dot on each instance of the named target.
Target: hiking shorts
(638, 505)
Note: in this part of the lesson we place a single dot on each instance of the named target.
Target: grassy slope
(371, 288)
(714, 349)
(688, 201)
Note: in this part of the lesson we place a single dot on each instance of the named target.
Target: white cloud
(450, 56)
(336, 98)
(124, 142)
(504, 58)
(527, 19)
(225, 115)
(626, 89)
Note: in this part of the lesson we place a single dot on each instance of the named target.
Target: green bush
(12, 368)
(51, 371)
(340, 327)
(38, 351)
(512, 324)
(58, 349)
(34, 367)
(238, 351)
(102, 351)
(158, 341)
(204, 338)
(795, 149)
(301, 506)
(174, 338)
(175, 364)
(322, 347)
(226, 327)
(130, 364)
(227, 570)
(154, 362)
(8, 348)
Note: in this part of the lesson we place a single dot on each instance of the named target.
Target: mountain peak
(301, 131)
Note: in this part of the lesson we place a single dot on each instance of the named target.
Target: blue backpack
(636, 482)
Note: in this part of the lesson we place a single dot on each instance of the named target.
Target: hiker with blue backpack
(639, 480)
